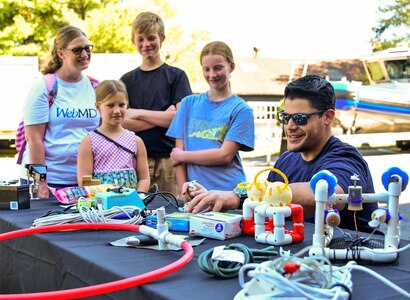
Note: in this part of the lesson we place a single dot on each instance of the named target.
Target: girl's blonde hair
(64, 36)
(217, 48)
(108, 88)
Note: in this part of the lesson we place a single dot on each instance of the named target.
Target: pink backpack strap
(50, 80)
(51, 85)
(94, 82)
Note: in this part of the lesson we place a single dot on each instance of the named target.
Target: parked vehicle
(384, 104)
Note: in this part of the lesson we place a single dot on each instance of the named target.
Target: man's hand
(213, 201)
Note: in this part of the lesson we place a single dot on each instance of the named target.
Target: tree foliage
(395, 16)
(29, 27)
(82, 7)
(26, 25)
(109, 29)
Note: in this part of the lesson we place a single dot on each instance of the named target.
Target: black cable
(57, 212)
(229, 269)
(345, 287)
(169, 197)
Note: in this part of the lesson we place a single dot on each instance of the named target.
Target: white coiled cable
(94, 215)
(313, 278)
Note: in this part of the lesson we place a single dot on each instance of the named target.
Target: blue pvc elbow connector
(326, 175)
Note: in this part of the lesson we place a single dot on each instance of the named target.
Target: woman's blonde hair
(108, 88)
(64, 36)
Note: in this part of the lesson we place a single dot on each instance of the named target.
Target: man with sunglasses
(307, 117)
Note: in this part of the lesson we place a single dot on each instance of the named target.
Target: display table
(63, 260)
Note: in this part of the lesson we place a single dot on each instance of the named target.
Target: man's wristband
(242, 194)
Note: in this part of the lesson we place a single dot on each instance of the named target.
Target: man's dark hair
(314, 88)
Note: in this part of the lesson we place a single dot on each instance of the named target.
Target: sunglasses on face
(78, 50)
(299, 119)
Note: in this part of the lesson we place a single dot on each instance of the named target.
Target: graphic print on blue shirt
(208, 130)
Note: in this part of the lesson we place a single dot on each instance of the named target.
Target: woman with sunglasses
(54, 132)
(309, 110)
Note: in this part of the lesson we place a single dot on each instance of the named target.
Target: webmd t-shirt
(71, 116)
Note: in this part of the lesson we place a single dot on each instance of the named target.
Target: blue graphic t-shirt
(71, 116)
(205, 124)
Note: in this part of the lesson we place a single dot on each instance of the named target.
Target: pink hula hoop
(99, 288)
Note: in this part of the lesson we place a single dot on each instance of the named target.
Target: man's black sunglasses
(300, 119)
(78, 50)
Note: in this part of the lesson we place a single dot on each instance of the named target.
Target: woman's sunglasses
(78, 50)
(299, 119)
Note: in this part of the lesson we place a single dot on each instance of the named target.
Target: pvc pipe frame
(99, 288)
(391, 239)
(254, 213)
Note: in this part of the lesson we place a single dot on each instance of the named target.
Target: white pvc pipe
(375, 255)
(392, 238)
(321, 197)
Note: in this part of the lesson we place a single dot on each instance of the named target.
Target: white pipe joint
(248, 208)
(277, 238)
